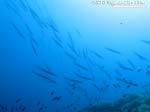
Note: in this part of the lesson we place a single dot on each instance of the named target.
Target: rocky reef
(128, 103)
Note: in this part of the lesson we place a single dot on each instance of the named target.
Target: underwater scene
(74, 56)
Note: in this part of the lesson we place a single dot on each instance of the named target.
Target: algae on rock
(129, 103)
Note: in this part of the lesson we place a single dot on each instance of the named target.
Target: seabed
(128, 103)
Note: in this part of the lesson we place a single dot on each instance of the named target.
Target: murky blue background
(92, 28)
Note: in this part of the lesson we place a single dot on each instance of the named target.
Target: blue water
(89, 54)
